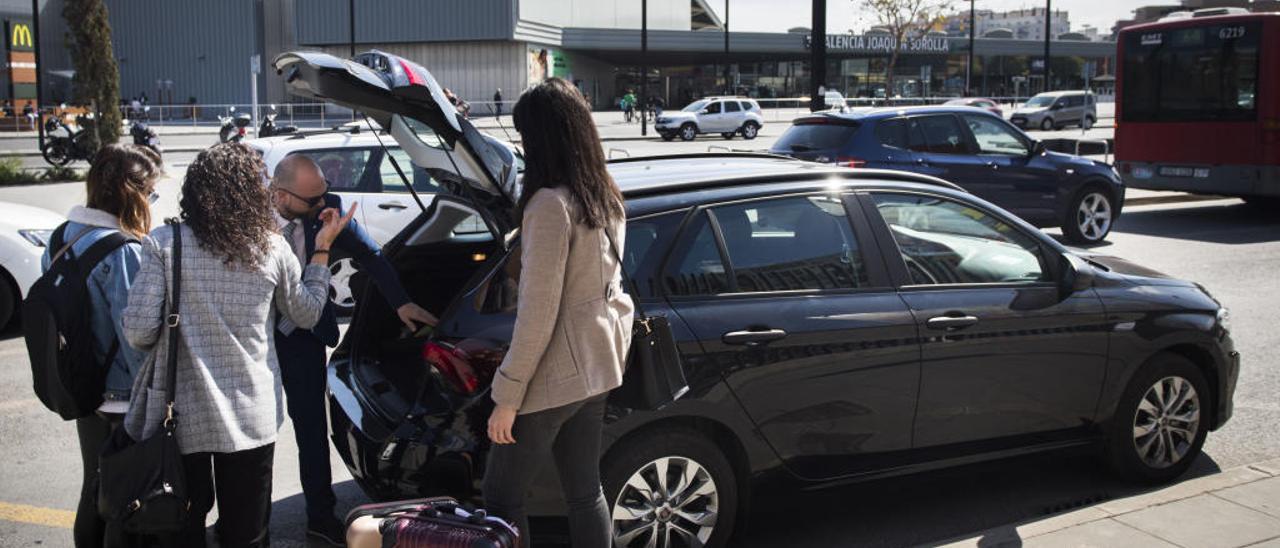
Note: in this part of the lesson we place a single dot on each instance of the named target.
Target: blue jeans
(570, 434)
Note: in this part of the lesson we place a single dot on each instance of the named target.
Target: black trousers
(241, 484)
(571, 436)
(90, 530)
(303, 374)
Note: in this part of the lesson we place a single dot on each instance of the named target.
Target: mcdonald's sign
(19, 36)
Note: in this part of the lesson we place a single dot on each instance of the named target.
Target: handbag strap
(172, 320)
(626, 279)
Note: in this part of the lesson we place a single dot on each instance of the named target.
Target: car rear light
(415, 79)
(845, 161)
(452, 364)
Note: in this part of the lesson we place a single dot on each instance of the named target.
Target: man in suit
(299, 192)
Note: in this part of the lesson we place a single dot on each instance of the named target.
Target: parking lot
(1230, 248)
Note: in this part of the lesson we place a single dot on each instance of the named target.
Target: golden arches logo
(21, 36)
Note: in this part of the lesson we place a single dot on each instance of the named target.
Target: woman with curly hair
(237, 274)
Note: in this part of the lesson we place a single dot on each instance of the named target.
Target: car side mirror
(1037, 148)
(703, 111)
(1076, 275)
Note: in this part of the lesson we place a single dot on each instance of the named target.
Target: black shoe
(328, 530)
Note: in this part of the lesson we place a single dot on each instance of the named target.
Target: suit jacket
(357, 244)
(573, 320)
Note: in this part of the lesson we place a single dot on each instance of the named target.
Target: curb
(1171, 198)
(1022, 531)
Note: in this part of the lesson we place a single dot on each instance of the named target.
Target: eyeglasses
(312, 201)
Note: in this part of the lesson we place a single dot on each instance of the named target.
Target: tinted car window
(946, 242)
(343, 168)
(994, 136)
(1204, 73)
(943, 134)
(892, 133)
(732, 106)
(713, 108)
(1075, 101)
(791, 244)
(804, 137)
(695, 267)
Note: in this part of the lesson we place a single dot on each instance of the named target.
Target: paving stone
(1184, 490)
(1106, 533)
(1204, 521)
(1263, 496)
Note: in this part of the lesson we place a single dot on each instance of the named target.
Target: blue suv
(974, 149)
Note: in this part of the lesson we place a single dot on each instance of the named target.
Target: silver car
(727, 116)
(1056, 110)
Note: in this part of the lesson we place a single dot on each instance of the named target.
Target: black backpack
(56, 323)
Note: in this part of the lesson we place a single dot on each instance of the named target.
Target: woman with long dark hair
(119, 187)
(573, 321)
(237, 272)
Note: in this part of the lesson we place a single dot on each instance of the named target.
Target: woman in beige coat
(573, 322)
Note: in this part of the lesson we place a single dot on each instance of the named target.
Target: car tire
(711, 497)
(1090, 216)
(1154, 440)
(1046, 124)
(728, 135)
(1087, 123)
(688, 132)
(668, 136)
(750, 130)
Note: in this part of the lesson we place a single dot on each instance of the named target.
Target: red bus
(1198, 105)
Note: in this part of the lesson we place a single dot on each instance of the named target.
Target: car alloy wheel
(671, 501)
(340, 274)
(688, 132)
(1166, 422)
(1093, 216)
(1088, 122)
(1046, 124)
(750, 131)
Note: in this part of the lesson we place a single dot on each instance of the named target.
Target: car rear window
(810, 136)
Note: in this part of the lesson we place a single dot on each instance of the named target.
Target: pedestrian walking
(119, 187)
(573, 321)
(497, 103)
(238, 277)
(299, 194)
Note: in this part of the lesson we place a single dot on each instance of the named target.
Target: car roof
(658, 183)
(879, 113)
(1065, 92)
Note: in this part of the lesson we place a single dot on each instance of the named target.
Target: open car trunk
(412, 395)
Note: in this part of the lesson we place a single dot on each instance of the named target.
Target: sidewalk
(1239, 507)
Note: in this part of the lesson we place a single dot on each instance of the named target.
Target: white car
(24, 233)
(727, 116)
(357, 169)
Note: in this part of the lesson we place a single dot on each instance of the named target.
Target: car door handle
(951, 323)
(752, 338)
(392, 205)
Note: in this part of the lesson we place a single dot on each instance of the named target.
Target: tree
(903, 20)
(97, 80)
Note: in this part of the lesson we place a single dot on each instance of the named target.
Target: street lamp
(1048, 31)
(968, 71)
(644, 68)
(818, 55)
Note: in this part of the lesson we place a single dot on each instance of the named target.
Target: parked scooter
(63, 145)
(269, 127)
(143, 135)
(233, 126)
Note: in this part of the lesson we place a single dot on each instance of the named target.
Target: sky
(843, 15)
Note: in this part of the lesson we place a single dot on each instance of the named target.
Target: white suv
(357, 169)
(727, 116)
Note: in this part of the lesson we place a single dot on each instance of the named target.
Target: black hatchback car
(975, 149)
(835, 324)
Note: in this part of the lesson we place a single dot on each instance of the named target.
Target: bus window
(1207, 73)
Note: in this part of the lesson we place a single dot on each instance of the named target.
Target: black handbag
(143, 486)
(654, 376)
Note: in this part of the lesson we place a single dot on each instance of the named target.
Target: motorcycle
(143, 135)
(64, 145)
(269, 127)
(233, 126)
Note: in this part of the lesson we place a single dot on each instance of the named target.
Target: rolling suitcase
(439, 522)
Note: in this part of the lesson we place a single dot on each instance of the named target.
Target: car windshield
(695, 107)
(1040, 101)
